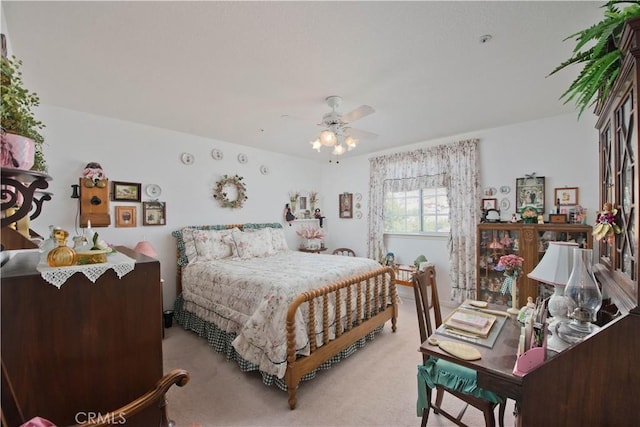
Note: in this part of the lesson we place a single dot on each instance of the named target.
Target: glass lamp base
(574, 332)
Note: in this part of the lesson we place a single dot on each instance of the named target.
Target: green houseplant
(597, 48)
(16, 110)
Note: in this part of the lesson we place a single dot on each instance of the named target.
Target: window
(419, 211)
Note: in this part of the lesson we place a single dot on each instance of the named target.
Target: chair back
(344, 252)
(427, 303)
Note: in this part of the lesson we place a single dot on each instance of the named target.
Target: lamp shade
(555, 266)
(146, 248)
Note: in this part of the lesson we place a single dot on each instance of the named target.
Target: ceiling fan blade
(360, 134)
(358, 113)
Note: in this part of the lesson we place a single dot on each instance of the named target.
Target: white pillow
(189, 244)
(278, 240)
(251, 244)
(209, 244)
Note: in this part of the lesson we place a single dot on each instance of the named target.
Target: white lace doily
(117, 261)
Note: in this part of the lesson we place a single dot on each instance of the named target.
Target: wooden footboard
(370, 312)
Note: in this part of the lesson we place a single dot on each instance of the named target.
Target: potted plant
(597, 48)
(19, 124)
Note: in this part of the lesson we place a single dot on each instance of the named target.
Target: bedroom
(554, 145)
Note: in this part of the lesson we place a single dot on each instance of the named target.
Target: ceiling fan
(337, 132)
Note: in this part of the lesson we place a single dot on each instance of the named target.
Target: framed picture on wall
(489, 204)
(126, 216)
(530, 192)
(567, 196)
(345, 203)
(125, 192)
(154, 213)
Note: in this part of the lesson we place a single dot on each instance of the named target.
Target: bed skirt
(221, 341)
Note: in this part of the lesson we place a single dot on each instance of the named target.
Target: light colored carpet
(375, 387)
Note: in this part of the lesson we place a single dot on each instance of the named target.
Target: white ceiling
(231, 70)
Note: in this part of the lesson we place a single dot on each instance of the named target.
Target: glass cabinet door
(493, 244)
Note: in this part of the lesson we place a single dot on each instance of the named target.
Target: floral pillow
(252, 244)
(209, 244)
(186, 241)
(278, 241)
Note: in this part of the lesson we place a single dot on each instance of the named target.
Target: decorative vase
(18, 152)
(63, 255)
(530, 220)
(313, 243)
(293, 206)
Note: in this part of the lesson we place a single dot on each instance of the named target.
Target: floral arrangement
(313, 197)
(310, 232)
(221, 195)
(512, 266)
(606, 225)
(529, 212)
(293, 196)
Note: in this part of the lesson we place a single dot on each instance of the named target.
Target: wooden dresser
(84, 348)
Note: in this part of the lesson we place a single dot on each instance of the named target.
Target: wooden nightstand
(313, 251)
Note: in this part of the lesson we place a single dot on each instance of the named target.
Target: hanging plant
(602, 59)
(221, 195)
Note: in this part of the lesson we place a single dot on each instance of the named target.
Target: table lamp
(146, 248)
(583, 289)
(555, 269)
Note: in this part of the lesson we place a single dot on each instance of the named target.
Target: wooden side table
(312, 251)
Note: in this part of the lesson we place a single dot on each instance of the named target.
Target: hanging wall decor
(230, 191)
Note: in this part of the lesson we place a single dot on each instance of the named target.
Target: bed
(283, 313)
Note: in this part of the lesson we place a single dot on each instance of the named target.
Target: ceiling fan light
(351, 142)
(338, 150)
(328, 138)
(316, 144)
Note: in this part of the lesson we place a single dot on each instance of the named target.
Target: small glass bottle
(63, 255)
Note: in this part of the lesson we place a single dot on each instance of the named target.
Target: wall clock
(153, 190)
(217, 154)
(242, 158)
(187, 158)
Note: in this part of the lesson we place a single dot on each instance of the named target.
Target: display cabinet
(529, 241)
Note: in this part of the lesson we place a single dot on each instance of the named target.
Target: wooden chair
(344, 252)
(429, 319)
(154, 396)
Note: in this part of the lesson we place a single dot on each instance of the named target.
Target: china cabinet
(528, 241)
(598, 377)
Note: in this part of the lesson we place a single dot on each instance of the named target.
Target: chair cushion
(452, 376)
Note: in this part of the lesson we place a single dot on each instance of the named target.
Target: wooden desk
(496, 365)
(594, 382)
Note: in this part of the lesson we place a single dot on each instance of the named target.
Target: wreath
(220, 195)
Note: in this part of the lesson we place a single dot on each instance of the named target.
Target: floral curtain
(454, 166)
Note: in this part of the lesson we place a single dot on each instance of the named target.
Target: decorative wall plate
(358, 197)
(489, 191)
(504, 204)
(505, 189)
(358, 215)
(217, 154)
(187, 158)
(153, 190)
(264, 170)
(242, 158)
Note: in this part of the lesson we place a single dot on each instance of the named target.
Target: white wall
(131, 152)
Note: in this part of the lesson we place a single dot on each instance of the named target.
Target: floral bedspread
(250, 297)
